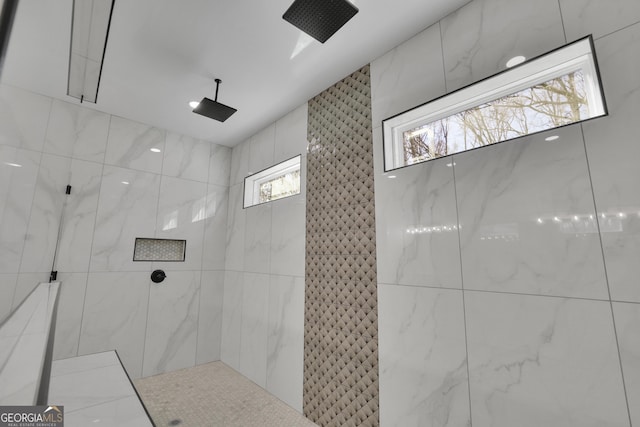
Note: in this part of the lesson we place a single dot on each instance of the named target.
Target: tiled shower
(121, 190)
(507, 277)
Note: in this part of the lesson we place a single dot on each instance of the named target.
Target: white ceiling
(161, 54)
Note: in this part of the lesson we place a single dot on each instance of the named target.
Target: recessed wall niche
(165, 250)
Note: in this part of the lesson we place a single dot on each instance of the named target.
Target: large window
(556, 89)
(278, 181)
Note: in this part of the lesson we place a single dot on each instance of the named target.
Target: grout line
(195, 355)
(93, 235)
(617, 31)
(86, 368)
(154, 264)
(202, 255)
(464, 305)
(506, 293)
(626, 302)
(606, 275)
(444, 68)
(146, 328)
(24, 240)
(99, 404)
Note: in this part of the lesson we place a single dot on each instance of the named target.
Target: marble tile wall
(263, 305)
(508, 282)
(120, 190)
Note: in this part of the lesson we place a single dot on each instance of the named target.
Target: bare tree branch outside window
(554, 103)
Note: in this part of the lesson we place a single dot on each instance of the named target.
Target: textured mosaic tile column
(341, 327)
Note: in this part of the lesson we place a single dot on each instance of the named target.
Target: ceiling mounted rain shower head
(320, 18)
(213, 109)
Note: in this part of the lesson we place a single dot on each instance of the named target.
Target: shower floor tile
(213, 395)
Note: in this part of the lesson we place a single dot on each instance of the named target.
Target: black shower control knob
(158, 276)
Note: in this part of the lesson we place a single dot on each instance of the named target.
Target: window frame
(579, 55)
(251, 190)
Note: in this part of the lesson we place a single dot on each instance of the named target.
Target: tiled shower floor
(213, 395)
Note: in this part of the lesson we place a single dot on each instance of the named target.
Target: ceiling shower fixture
(213, 109)
(320, 18)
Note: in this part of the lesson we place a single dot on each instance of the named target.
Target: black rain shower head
(320, 18)
(214, 109)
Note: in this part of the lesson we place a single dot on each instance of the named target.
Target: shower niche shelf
(164, 250)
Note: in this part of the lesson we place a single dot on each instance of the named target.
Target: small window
(277, 182)
(556, 89)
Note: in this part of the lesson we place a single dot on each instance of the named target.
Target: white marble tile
(257, 238)
(7, 288)
(19, 377)
(181, 215)
(288, 225)
(378, 154)
(91, 387)
(18, 177)
(46, 211)
(291, 134)
(423, 360)
(541, 361)
(407, 76)
(23, 344)
(215, 228)
(125, 211)
(125, 412)
(87, 362)
(240, 162)
(73, 287)
(130, 143)
(416, 223)
(23, 118)
(172, 323)
(627, 317)
(612, 149)
(115, 317)
(210, 317)
(584, 17)
(26, 283)
(261, 149)
(186, 157)
(219, 165)
(77, 132)
(285, 340)
(74, 249)
(31, 315)
(235, 252)
(231, 319)
(527, 220)
(253, 333)
(479, 38)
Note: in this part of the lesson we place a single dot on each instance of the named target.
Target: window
(278, 181)
(556, 89)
